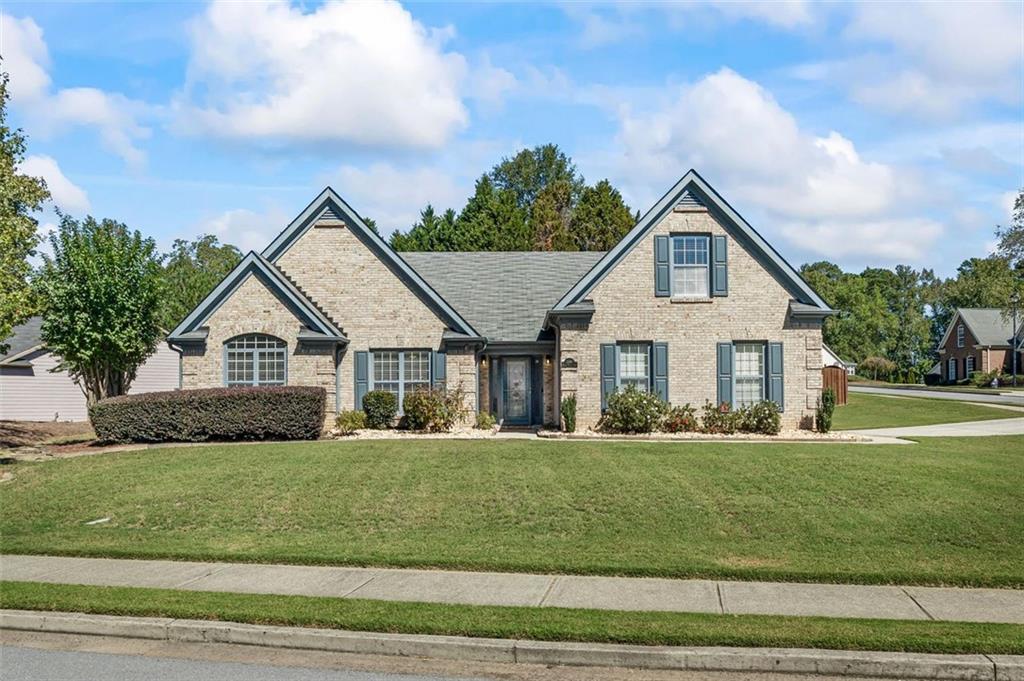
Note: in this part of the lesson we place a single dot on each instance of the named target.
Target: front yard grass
(867, 410)
(549, 624)
(942, 511)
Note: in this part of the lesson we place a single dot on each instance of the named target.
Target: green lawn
(943, 511)
(640, 628)
(865, 410)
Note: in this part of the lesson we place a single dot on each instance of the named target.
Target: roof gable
(329, 205)
(692, 191)
(320, 326)
(987, 325)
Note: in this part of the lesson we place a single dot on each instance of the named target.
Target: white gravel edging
(795, 661)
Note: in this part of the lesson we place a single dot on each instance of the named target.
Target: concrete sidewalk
(966, 429)
(552, 591)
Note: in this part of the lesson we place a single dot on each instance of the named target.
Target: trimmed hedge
(267, 413)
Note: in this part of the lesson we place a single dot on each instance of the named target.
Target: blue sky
(868, 134)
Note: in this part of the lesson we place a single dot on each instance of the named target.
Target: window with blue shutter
(662, 280)
(724, 373)
(775, 380)
(720, 266)
(440, 361)
(362, 376)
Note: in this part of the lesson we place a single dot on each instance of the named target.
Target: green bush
(569, 413)
(484, 420)
(348, 422)
(719, 419)
(983, 379)
(268, 413)
(381, 408)
(826, 407)
(632, 411)
(436, 411)
(761, 417)
(680, 420)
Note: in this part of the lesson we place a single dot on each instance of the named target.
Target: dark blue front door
(516, 391)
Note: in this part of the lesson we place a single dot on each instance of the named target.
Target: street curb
(794, 661)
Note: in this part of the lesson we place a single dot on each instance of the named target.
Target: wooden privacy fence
(835, 378)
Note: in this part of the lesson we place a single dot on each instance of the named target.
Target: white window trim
(960, 336)
(372, 382)
(673, 267)
(764, 370)
(650, 363)
(969, 366)
(951, 369)
(256, 352)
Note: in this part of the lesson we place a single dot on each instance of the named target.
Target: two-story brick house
(977, 339)
(692, 304)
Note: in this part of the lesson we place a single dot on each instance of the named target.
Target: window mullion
(255, 367)
(401, 379)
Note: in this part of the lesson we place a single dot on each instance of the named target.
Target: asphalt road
(27, 664)
(1017, 399)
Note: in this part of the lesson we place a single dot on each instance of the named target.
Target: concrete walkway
(553, 591)
(967, 429)
(994, 397)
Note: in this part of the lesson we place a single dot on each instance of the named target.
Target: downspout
(181, 360)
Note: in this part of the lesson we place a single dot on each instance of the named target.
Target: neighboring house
(830, 359)
(977, 339)
(30, 391)
(692, 304)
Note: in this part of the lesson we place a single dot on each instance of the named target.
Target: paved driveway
(997, 398)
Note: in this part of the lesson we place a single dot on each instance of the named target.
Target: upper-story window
(960, 336)
(255, 359)
(690, 273)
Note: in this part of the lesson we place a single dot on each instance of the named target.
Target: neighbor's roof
(24, 339)
(988, 325)
(503, 295)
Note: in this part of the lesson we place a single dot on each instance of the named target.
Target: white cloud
(357, 73)
(818, 188)
(247, 229)
(393, 197)
(489, 84)
(64, 193)
(114, 116)
(782, 13)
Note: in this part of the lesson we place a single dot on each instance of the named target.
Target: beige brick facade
(756, 309)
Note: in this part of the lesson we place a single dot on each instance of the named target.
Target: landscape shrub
(381, 408)
(826, 407)
(348, 422)
(983, 379)
(718, 419)
(266, 413)
(436, 411)
(484, 420)
(681, 420)
(878, 368)
(632, 411)
(761, 417)
(569, 413)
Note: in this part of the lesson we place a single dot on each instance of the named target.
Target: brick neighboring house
(692, 304)
(977, 339)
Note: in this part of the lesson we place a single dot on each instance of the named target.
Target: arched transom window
(255, 359)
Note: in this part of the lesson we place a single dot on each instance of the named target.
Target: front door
(517, 391)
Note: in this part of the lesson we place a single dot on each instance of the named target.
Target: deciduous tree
(191, 269)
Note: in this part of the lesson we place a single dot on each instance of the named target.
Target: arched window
(255, 359)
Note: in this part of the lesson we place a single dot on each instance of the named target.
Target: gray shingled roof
(23, 337)
(988, 325)
(504, 295)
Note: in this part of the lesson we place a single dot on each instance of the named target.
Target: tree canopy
(101, 294)
(20, 196)
(533, 201)
(191, 269)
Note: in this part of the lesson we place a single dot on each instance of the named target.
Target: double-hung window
(960, 336)
(951, 369)
(635, 365)
(969, 366)
(255, 359)
(401, 372)
(749, 374)
(690, 273)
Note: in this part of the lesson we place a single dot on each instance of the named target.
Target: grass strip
(867, 410)
(549, 624)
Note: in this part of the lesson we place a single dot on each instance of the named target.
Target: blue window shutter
(609, 372)
(440, 370)
(661, 370)
(662, 285)
(775, 382)
(719, 266)
(725, 358)
(362, 374)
